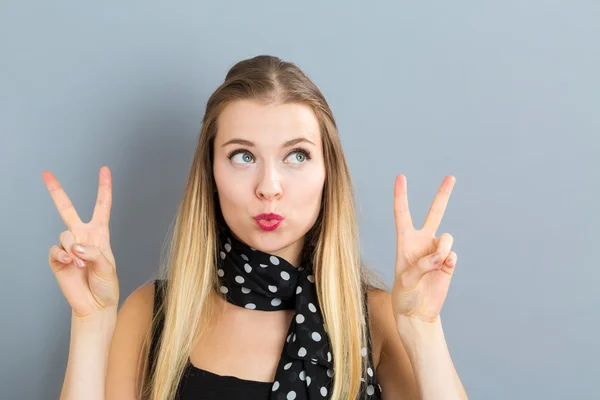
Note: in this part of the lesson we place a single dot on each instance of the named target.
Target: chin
(269, 242)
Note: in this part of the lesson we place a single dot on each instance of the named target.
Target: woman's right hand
(92, 286)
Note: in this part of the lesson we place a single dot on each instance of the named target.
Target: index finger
(61, 200)
(401, 211)
(104, 198)
(438, 207)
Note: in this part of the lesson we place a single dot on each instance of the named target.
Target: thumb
(95, 259)
(425, 264)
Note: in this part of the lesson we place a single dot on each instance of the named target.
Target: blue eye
(300, 156)
(245, 157)
(297, 156)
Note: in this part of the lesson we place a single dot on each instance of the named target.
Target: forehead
(266, 123)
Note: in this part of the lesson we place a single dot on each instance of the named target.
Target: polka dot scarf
(256, 280)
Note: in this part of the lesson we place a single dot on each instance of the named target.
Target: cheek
(306, 193)
(232, 190)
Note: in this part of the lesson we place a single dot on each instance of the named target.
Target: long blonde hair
(190, 267)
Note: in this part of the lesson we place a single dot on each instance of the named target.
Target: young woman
(263, 295)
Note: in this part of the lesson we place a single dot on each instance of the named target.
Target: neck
(292, 253)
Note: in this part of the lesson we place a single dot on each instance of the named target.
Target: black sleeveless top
(199, 384)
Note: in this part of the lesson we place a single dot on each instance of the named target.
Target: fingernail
(65, 257)
(79, 262)
(79, 248)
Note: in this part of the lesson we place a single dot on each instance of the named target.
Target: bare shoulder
(142, 297)
(392, 367)
(127, 349)
(375, 299)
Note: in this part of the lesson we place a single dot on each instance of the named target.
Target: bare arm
(414, 362)
(434, 371)
(394, 371)
(127, 350)
(106, 351)
(86, 367)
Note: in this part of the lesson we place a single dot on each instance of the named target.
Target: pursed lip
(268, 216)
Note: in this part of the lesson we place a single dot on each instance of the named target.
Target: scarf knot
(257, 280)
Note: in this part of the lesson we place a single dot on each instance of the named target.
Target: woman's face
(269, 159)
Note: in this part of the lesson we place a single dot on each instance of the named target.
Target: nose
(268, 186)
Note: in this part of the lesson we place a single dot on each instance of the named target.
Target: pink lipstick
(268, 222)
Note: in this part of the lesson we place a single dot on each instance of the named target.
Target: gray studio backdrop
(502, 95)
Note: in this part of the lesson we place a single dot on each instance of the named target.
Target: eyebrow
(251, 144)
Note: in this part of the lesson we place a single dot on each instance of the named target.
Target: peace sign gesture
(87, 278)
(424, 262)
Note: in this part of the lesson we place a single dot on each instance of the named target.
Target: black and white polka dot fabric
(257, 280)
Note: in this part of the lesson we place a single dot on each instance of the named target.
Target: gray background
(502, 95)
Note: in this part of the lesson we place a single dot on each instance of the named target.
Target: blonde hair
(190, 269)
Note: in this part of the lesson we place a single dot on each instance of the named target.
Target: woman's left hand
(424, 262)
